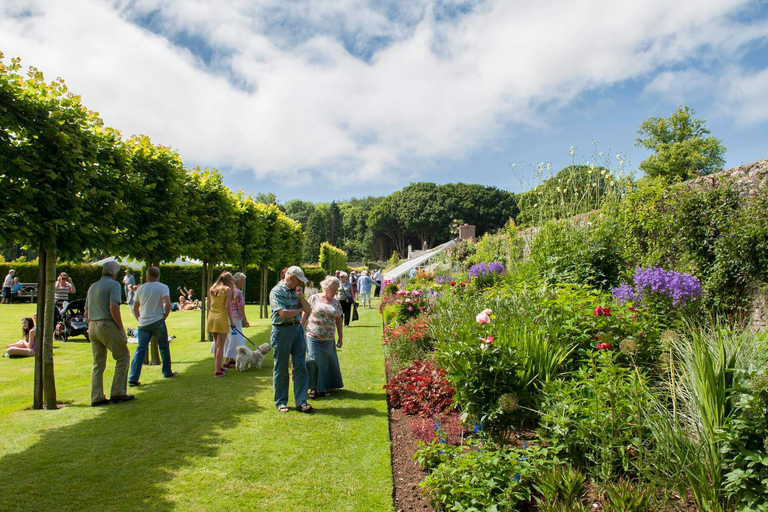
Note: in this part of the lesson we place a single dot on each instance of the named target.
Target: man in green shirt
(106, 332)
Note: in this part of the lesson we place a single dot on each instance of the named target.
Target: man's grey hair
(239, 276)
(110, 268)
(330, 282)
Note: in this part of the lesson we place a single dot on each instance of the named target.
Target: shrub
(332, 258)
(497, 371)
(434, 452)
(407, 342)
(623, 496)
(485, 275)
(598, 417)
(390, 288)
(409, 304)
(559, 487)
(420, 389)
(487, 479)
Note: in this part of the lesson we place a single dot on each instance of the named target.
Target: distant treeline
(374, 227)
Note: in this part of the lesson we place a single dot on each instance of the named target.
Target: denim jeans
(159, 331)
(288, 342)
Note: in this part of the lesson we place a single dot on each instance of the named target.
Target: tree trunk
(49, 382)
(38, 390)
(203, 302)
(208, 287)
(262, 293)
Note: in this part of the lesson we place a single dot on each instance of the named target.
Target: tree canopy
(682, 149)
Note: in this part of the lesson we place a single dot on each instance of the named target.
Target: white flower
(618, 156)
(621, 162)
(558, 189)
(601, 153)
(549, 167)
(513, 166)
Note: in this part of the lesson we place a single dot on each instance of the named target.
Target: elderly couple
(315, 363)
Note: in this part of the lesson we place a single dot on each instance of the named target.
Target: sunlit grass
(194, 442)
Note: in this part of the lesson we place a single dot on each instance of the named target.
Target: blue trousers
(159, 331)
(288, 342)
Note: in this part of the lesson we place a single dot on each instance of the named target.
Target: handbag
(355, 316)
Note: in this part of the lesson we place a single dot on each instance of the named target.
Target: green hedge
(332, 258)
(83, 275)
(314, 274)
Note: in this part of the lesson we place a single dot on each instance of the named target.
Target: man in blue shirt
(287, 304)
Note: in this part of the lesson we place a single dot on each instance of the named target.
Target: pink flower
(483, 318)
(483, 346)
(410, 308)
(407, 300)
(603, 346)
(402, 292)
(399, 301)
(488, 312)
(488, 340)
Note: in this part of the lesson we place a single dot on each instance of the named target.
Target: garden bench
(28, 291)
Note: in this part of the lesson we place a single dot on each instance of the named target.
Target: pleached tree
(212, 227)
(62, 188)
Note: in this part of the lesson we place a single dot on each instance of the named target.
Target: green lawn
(194, 442)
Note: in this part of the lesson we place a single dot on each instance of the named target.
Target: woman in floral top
(321, 327)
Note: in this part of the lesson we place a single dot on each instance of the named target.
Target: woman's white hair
(343, 274)
(239, 276)
(330, 282)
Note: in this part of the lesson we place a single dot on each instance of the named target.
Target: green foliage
(597, 415)
(487, 479)
(505, 247)
(437, 451)
(316, 234)
(332, 258)
(566, 252)
(64, 173)
(314, 274)
(681, 148)
(745, 445)
(623, 496)
(212, 229)
(560, 486)
(708, 232)
(157, 231)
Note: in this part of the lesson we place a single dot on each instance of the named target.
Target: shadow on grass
(348, 394)
(125, 457)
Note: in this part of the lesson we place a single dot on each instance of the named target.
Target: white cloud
(282, 96)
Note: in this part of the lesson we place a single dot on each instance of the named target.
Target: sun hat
(297, 273)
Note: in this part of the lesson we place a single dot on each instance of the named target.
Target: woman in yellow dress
(220, 322)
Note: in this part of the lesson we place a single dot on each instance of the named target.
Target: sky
(323, 100)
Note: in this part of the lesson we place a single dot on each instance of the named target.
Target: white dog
(247, 357)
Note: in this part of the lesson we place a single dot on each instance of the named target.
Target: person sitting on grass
(24, 347)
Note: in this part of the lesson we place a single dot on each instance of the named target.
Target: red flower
(601, 311)
(453, 283)
(603, 346)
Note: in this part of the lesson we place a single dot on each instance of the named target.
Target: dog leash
(246, 337)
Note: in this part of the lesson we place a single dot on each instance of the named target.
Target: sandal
(305, 408)
(282, 408)
(312, 394)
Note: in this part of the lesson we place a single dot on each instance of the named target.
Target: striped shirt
(62, 291)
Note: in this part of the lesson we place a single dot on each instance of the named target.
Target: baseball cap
(296, 272)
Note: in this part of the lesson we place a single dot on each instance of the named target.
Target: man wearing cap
(287, 304)
(128, 283)
(7, 284)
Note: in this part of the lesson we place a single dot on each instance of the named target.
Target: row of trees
(70, 186)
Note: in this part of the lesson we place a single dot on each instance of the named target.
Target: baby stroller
(70, 320)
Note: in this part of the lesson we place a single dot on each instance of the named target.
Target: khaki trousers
(105, 336)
